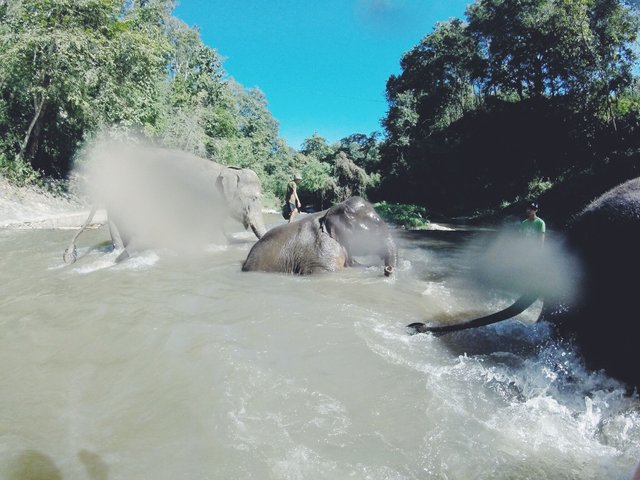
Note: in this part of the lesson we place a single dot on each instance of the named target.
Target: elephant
(159, 196)
(326, 241)
(605, 239)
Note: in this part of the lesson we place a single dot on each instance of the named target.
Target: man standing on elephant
(292, 196)
(533, 226)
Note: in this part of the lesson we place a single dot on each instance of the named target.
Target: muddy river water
(164, 367)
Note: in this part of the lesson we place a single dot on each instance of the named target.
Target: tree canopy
(519, 92)
(73, 69)
(515, 99)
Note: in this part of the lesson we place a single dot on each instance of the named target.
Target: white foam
(137, 261)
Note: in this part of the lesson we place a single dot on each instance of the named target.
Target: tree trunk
(34, 121)
(611, 114)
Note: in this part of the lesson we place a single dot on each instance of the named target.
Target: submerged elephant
(325, 241)
(168, 195)
(605, 238)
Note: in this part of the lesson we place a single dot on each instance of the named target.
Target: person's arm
(295, 193)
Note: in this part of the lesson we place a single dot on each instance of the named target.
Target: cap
(533, 206)
(297, 177)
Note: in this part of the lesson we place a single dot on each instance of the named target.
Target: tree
(436, 88)
(317, 147)
(72, 68)
(363, 149)
(535, 48)
(193, 104)
(522, 91)
(45, 60)
(69, 66)
(350, 178)
(436, 83)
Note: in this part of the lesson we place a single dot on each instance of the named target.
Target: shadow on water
(513, 337)
(429, 238)
(94, 465)
(33, 465)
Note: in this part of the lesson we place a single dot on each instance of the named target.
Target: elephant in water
(160, 197)
(325, 241)
(605, 239)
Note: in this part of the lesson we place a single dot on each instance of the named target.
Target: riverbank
(35, 208)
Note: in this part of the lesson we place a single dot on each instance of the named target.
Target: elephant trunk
(519, 306)
(390, 255)
(257, 225)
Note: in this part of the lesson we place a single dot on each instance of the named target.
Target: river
(165, 367)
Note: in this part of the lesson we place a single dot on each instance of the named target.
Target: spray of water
(156, 197)
(518, 264)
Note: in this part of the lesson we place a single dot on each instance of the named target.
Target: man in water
(292, 196)
(533, 226)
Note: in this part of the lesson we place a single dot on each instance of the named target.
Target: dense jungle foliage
(526, 99)
(74, 70)
(523, 99)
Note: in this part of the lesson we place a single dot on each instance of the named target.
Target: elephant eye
(373, 216)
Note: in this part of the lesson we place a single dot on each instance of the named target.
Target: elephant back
(606, 238)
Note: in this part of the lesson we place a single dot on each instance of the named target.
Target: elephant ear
(227, 184)
(338, 221)
(233, 185)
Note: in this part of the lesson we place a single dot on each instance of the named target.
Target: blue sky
(322, 64)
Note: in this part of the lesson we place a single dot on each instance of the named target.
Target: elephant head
(356, 226)
(325, 241)
(240, 188)
(605, 239)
